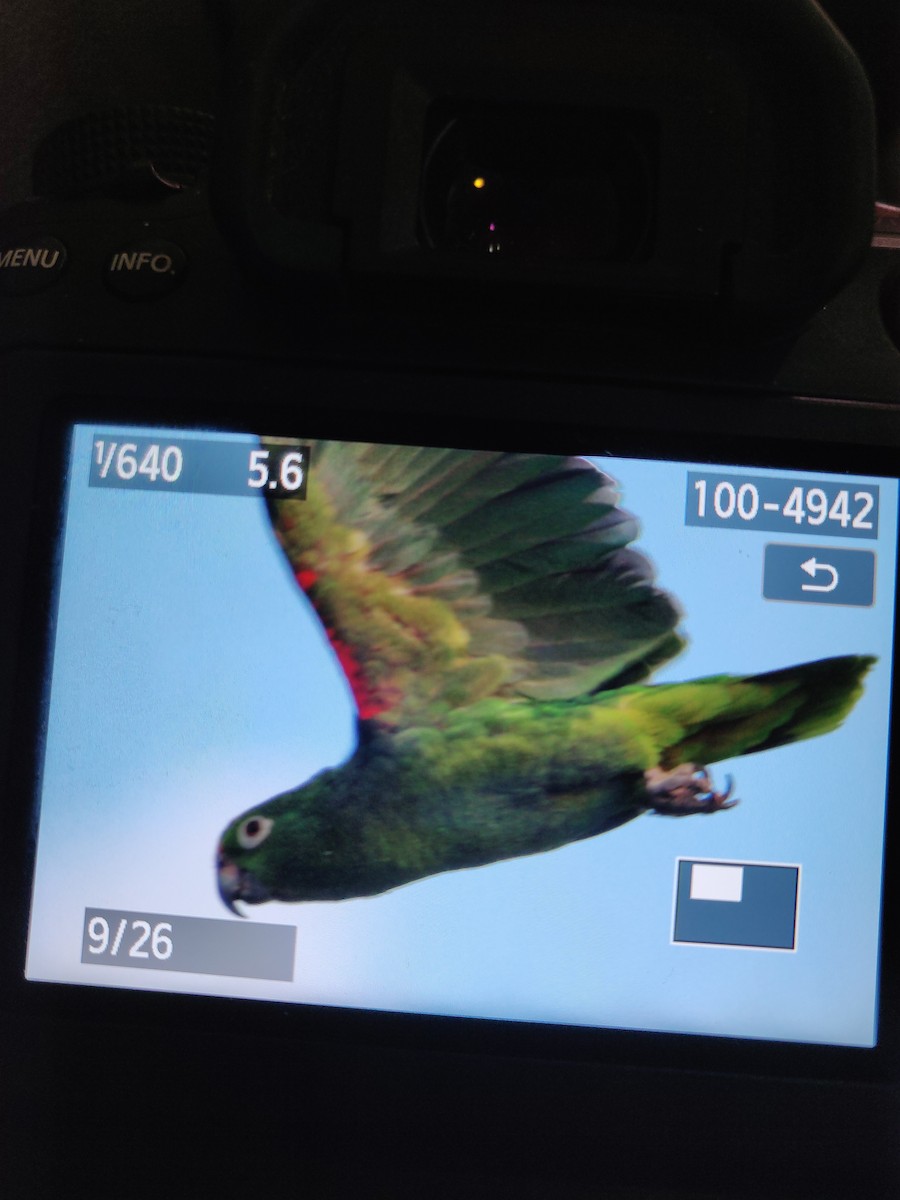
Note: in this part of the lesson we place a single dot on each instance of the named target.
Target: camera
(454, 606)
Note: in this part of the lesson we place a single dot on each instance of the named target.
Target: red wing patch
(368, 702)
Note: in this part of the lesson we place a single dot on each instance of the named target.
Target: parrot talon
(685, 790)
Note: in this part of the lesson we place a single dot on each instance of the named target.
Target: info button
(145, 270)
(819, 575)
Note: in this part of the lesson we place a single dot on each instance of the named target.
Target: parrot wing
(442, 577)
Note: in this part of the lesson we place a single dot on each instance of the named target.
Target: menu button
(31, 265)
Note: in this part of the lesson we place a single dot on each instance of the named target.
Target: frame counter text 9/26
(193, 945)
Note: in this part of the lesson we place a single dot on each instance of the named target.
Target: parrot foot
(686, 789)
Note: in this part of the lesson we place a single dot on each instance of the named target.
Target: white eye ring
(254, 831)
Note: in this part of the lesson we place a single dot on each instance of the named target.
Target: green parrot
(495, 626)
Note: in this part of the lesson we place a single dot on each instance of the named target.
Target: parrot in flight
(495, 627)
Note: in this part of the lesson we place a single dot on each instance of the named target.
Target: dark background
(61, 58)
(133, 1111)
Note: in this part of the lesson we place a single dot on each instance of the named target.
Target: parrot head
(281, 849)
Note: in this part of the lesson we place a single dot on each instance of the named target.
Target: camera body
(677, 201)
(341, 274)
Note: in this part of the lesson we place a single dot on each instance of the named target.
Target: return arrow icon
(812, 568)
(819, 575)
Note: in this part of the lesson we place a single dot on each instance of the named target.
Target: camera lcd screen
(588, 741)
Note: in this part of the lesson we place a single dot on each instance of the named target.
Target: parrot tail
(707, 720)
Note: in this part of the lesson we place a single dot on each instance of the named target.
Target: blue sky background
(191, 680)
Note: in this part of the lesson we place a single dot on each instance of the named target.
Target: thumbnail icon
(750, 905)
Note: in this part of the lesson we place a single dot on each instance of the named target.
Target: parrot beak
(229, 879)
(237, 883)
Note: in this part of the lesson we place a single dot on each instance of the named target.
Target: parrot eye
(252, 832)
